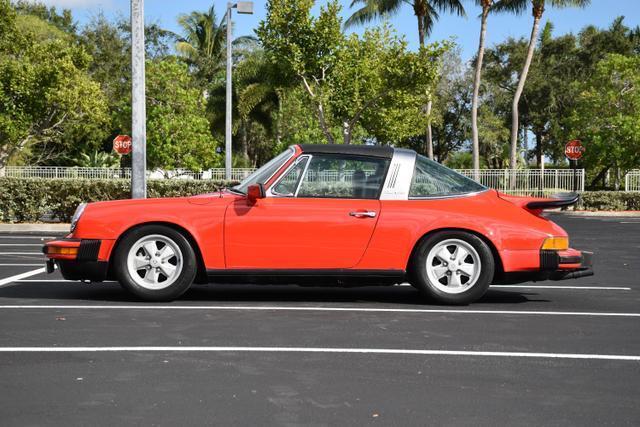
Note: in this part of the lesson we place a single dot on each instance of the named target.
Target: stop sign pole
(138, 109)
(573, 151)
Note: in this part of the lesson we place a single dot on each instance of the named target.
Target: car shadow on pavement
(112, 292)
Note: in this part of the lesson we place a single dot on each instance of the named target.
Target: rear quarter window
(431, 179)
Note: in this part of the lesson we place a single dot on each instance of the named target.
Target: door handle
(363, 214)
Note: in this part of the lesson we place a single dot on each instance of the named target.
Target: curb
(24, 228)
(620, 214)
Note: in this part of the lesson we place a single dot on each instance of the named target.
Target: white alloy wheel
(155, 262)
(453, 266)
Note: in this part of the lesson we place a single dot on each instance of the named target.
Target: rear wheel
(155, 263)
(453, 267)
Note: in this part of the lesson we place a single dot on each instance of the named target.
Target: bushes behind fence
(33, 199)
(609, 201)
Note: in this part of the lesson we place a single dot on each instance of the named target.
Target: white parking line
(27, 237)
(12, 279)
(303, 308)
(587, 356)
(586, 288)
(21, 244)
(20, 265)
(21, 253)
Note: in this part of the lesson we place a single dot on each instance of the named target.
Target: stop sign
(574, 150)
(122, 144)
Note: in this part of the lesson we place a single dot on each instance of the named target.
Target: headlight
(77, 215)
(556, 243)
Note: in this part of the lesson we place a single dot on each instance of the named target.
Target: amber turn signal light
(556, 243)
(55, 250)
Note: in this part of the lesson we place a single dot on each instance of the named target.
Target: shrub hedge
(34, 199)
(609, 201)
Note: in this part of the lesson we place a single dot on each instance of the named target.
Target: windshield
(263, 174)
(431, 179)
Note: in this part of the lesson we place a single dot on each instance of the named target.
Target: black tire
(420, 279)
(184, 279)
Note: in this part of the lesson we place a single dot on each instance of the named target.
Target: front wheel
(452, 267)
(155, 263)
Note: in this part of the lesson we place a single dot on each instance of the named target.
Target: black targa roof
(353, 150)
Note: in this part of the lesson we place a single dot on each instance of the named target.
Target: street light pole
(138, 108)
(228, 117)
(244, 7)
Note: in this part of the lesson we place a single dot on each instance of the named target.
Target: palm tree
(427, 13)
(202, 44)
(537, 7)
(256, 101)
(486, 6)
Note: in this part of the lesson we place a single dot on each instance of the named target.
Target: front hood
(218, 196)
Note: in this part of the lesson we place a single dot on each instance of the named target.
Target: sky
(464, 30)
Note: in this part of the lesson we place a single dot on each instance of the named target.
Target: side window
(346, 177)
(287, 185)
(431, 179)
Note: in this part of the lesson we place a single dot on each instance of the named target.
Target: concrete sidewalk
(34, 227)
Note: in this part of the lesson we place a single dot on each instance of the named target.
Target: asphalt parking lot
(547, 353)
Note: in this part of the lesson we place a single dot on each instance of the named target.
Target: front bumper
(77, 259)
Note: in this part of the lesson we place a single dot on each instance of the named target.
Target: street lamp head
(245, 7)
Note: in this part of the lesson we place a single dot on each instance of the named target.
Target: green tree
(256, 100)
(607, 116)
(49, 104)
(368, 86)
(427, 12)
(178, 135)
(61, 21)
(537, 9)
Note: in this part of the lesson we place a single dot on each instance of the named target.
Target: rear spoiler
(537, 204)
(559, 200)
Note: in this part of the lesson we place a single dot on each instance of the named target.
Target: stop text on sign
(122, 144)
(574, 150)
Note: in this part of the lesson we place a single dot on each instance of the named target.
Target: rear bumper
(554, 265)
(81, 263)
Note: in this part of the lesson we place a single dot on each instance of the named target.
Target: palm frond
(452, 6)
(570, 3)
(510, 6)
(362, 16)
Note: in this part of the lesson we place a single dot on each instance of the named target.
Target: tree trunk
(320, 110)
(346, 133)
(244, 145)
(429, 134)
(421, 31)
(520, 88)
(539, 150)
(476, 92)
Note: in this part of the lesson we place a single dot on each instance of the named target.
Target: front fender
(111, 220)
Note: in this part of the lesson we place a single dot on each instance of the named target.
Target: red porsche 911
(325, 215)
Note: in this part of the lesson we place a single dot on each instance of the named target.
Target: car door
(319, 215)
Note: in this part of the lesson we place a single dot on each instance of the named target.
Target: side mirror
(255, 192)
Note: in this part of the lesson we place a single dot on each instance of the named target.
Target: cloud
(77, 4)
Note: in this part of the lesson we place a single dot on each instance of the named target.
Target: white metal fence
(521, 181)
(632, 181)
(53, 172)
(529, 181)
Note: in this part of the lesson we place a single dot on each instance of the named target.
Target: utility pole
(244, 7)
(138, 107)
